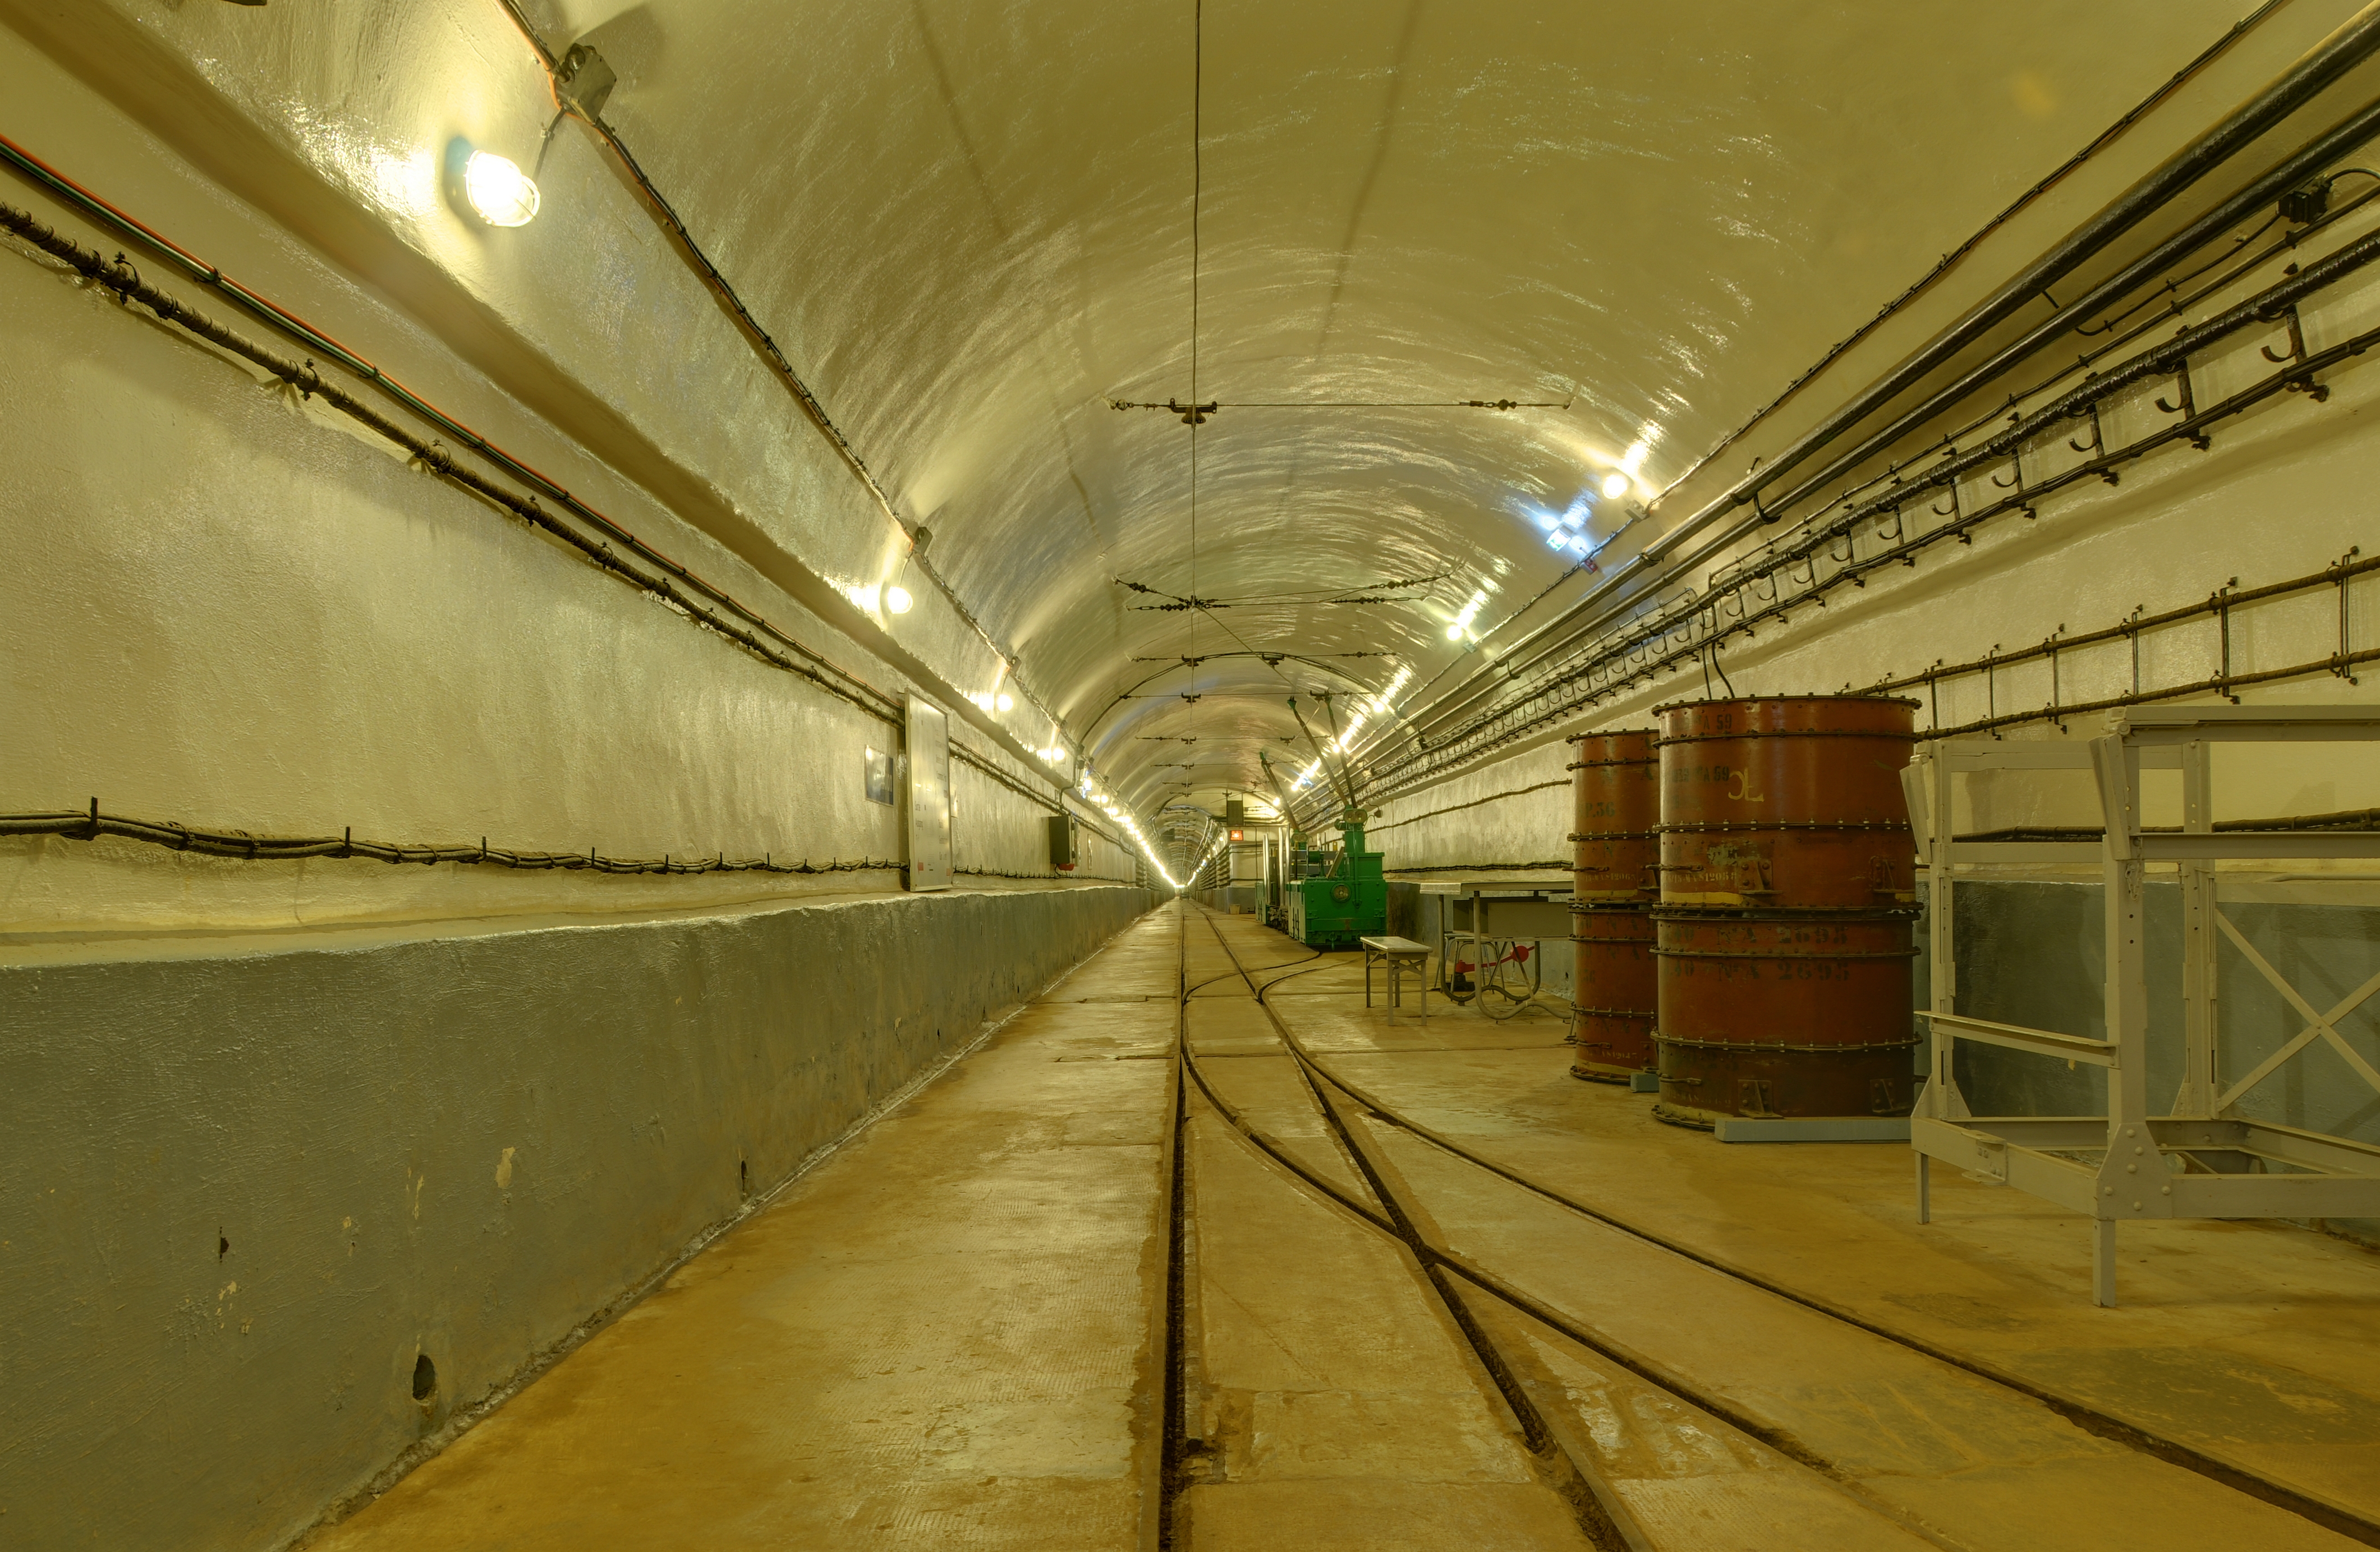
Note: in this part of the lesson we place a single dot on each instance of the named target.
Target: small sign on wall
(876, 776)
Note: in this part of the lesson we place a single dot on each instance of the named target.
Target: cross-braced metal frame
(2203, 1158)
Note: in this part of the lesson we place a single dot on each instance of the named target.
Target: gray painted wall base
(1811, 1129)
(250, 1183)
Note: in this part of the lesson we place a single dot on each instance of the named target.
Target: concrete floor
(938, 1337)
(948, 1333)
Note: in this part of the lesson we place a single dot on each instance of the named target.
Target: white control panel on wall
(929, 796)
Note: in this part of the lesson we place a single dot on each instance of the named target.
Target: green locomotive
(1333, 898)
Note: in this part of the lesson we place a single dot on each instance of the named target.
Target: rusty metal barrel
(1783, 932)
(1616, 798)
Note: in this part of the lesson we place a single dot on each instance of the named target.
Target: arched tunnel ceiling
(970, 220)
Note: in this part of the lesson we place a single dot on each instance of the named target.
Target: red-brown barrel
(1613, 993)
(1616, 806)
(1783, 952)
(1616, 800)
(1784, 1013)
(1786, 801)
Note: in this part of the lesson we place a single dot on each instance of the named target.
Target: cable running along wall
(1741, 507)
(761, 341)
(1907, 509)
(90, 824)
(675, 585)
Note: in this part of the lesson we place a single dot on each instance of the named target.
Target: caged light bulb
(501, 192)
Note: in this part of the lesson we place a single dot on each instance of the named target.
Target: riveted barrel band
(1779, 954)
(1757, 1047)
(1668, 738)
(1731, 827)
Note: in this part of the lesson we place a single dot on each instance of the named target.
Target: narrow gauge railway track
(1566, 1465)
(1399, 1218)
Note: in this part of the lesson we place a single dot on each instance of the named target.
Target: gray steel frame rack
(2204, 1158)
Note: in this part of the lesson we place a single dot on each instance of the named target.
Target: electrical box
(1235, 812)
(1062, 842)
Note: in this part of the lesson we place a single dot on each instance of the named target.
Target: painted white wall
(230, 607)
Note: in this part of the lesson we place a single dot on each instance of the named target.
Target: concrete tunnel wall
(250, 1186)
(276, 1129)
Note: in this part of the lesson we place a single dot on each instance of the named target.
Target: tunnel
(1187, 774)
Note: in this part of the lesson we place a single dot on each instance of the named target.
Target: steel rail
(2231, 1473)
(1159, 1486)
(2355, 41)
(1398, 1222)
(1602, 1515)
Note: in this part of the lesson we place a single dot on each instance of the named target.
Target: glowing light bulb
(1454, 632)
(501, 192)
(1007, 703)
(1615, 484)
(897, 600)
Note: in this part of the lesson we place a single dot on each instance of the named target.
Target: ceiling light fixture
(897, 600)
(1615, 484)
(498, 191)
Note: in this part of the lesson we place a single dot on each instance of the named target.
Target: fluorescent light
(501, 192)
